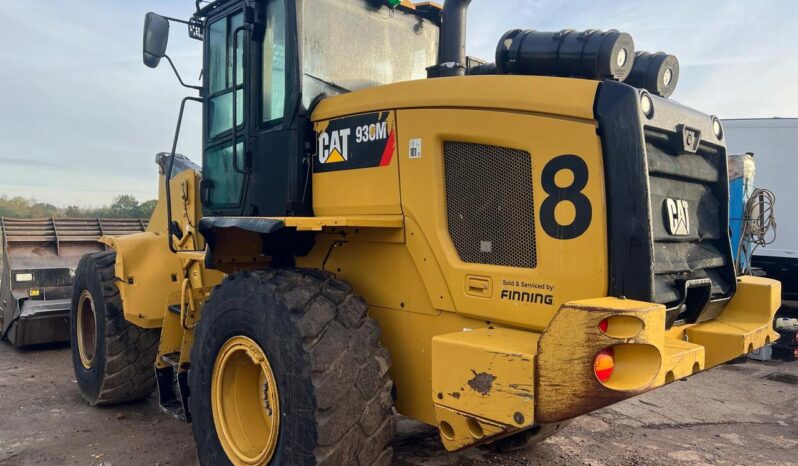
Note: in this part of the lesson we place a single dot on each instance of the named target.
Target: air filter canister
(591, 54)
(657, 73)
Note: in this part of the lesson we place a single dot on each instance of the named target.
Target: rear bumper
(490, 383)
(40, 322)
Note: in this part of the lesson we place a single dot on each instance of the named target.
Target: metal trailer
(774, 142)
(39, 261)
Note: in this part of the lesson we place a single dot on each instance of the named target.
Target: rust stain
(455, 395)
(482, 382)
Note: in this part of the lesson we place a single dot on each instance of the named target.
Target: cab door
(264, 172)
(224, 160)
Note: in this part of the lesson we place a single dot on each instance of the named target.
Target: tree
(124, 206)
(147, 208)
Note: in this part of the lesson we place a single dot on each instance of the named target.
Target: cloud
(80, 108)
(27, 163)
(736, 56)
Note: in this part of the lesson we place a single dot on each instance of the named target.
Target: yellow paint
(86, 326)
(745, 325)
(148, 275)
(424, 203)
(408, 336)
(680, 359)
(245, 402)
(488, 373)
(359, 192)
(351, 221)
(385, 231)
(458, 430)
(566, 383)
(335, 157)
(556, 97)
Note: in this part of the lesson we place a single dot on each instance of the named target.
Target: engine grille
(489, 204)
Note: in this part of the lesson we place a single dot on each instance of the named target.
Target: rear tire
(322, 351)
(114, 360)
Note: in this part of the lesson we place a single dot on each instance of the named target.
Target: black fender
(251, 239)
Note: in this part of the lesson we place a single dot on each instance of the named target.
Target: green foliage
(123, 206)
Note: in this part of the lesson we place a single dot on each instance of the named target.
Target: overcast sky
(81, 118)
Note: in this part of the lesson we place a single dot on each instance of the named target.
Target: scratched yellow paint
(488, 373)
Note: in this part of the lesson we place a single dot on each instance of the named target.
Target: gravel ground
(732, 415)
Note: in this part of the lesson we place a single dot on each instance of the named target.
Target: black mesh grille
(489, 204)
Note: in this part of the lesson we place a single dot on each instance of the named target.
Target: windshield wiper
(328, 83)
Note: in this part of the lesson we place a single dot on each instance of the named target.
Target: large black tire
(122, 368)
(526, 438)
(324, 350)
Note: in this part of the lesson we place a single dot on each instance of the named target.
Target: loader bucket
(39, 259)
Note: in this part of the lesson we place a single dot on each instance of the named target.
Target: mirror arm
(176, 20)
(196, 88)
(168, 177)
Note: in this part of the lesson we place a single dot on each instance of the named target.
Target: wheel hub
(245, 402)
(86, 329)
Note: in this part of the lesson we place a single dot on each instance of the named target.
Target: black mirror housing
(156, 38)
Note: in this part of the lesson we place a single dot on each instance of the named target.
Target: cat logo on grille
(677, 214)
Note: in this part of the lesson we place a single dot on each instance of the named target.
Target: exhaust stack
(452, 48)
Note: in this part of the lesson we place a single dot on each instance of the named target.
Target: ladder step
(173, 390)
(173, 359)
(174, 408)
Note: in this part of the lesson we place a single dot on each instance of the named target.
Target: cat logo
(354, 142)
(334, 146)
(677, 214)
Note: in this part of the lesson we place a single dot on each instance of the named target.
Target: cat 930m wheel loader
(381, 222)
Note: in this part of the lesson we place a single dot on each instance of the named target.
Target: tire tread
(130, 351)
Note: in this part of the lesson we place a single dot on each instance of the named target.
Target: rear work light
(604, 364)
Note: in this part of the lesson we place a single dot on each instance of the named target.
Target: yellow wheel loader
(380, 222)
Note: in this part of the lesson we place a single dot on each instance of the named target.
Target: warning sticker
(414, 151)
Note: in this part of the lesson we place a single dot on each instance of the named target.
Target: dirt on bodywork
(738, 414)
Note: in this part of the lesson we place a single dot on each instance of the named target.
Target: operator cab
(270, 62)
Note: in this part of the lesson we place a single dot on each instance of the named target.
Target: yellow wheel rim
(86, 329)
(245, 402)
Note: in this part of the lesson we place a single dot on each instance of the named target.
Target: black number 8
(572, 194)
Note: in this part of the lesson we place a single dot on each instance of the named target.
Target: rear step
(173, 387)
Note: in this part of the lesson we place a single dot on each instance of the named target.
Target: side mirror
(156, 37)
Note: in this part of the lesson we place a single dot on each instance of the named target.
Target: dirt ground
(732, 415)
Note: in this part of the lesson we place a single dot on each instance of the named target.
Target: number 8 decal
(572, 194)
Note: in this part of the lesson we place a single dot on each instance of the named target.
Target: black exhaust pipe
(452, 48)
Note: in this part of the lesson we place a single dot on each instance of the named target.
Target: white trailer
(774, 142)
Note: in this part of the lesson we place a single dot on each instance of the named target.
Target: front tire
(287, 369)
(114, 360)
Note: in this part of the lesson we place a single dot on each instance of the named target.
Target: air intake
(489, 204)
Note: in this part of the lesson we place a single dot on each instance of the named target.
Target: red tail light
(604, 364)
(604, 325)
